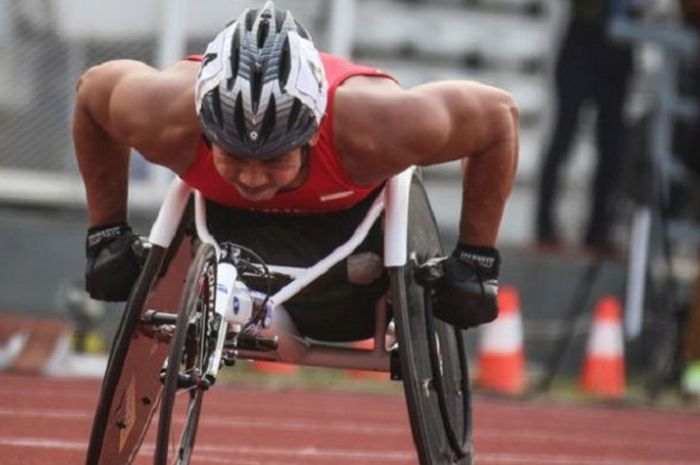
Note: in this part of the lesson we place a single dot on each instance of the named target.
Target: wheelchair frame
(292, 347)
(393, 201)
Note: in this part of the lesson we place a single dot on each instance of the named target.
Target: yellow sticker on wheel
(126, 424)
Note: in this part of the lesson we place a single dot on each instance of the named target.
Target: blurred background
(648, 260)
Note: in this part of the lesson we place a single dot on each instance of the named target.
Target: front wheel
(187, 364)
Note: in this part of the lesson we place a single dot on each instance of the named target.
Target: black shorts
(331, 308)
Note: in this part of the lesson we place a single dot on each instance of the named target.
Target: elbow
(91, 100)
(507, 126)
(85, 80)
(81, 89)
(98, 81)
(510, 132)
(503, 141)
(511, 113)
(85, 87)
(514, 111)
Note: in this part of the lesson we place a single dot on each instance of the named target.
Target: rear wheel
(431, 352)
(190, 350)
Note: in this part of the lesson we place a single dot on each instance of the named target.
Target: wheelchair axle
(190, 380)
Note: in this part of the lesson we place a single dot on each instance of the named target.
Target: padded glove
(114, 259)
(466, 295)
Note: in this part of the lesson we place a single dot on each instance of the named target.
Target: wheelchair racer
(263, 122)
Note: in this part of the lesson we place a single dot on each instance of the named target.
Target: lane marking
(231, 421)
(599, 438)
(207, 451)
(560, 459)
(302, 425)
(57, 414)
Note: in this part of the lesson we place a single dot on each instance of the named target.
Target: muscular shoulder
(148, 109)
(381, 129)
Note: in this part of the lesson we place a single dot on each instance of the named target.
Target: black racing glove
(114, 259)
(466, 294)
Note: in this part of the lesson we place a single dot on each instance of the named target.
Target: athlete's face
(258, 180)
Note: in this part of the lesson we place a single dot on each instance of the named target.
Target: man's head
(261, 91)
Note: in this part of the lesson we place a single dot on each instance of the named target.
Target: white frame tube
(170, 213)
(396, 219)
(310, 274)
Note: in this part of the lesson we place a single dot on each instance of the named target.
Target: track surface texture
(47, 421)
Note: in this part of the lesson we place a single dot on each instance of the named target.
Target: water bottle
(233, 298)
(226, 276)
(239, 309)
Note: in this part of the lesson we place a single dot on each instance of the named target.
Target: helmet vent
(263, 29)
(239, 117)
(250, 19)
(284, 65)
(256, 85)
(301, 30)
(268, 123)
(235, 60)
(294, 113)
(216, 106)
(279, 19)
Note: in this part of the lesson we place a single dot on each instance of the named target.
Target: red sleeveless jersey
(327, 187)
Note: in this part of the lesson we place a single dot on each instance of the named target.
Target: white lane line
(556, 459)
(42, 443)
(292, 406)
(379, 455)
(600, 438)
(57, 394)
(597, 438)
(212, 449)
(47, 413)
(302, 425)
(234, 461)
(210, 452)
(577, 417)
(231, 422)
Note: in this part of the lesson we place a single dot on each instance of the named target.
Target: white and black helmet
(261, 90)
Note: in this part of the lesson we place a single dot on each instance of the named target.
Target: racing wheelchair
(202, 301)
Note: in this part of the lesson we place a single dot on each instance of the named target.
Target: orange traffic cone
(275, 368)
(604, 366)
(367, 344)
(501, 355)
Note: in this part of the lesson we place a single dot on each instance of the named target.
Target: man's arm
(386, 129)
(381, 130)
(124, 104)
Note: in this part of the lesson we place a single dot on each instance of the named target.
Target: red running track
(47, 421)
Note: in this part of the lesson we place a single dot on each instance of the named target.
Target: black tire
(190, 348)
(131, 387)
(432, 354)
(102, 426)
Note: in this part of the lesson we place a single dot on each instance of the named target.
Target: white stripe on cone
(504, 335)
(606, 340)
